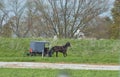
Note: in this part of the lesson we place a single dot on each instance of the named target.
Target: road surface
(57, 66)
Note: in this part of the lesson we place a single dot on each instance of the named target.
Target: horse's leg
(56, 53)
(51, 52)
(64, 54)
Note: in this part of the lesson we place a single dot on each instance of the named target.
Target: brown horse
(62, 49)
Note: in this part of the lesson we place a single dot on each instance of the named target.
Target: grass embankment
(10, 72)
(81, 51)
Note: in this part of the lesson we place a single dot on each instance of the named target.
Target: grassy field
(81, 51)
(10, 72)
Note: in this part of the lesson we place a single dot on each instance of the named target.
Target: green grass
(14, 72)
(81, 51)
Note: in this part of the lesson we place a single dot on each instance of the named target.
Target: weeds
(81, 51)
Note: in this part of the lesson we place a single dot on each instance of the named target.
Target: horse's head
(68, 44)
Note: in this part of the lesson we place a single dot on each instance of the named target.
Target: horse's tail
(51, 52)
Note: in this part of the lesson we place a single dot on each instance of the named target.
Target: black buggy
(38, 48)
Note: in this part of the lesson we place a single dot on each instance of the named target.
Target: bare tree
(36, 24)
(3, 16)
(98, 28)
(17, 8)
(67, 16)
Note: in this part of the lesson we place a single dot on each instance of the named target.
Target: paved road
(57, 66)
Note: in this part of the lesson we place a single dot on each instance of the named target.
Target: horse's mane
(67, 44)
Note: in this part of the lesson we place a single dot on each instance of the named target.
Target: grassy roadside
(81, 51)
(15, 72)
(87, 60)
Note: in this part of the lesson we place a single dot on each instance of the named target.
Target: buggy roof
(46, 42)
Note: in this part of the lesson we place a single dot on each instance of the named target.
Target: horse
(62, 49)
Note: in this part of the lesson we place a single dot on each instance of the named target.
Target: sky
(108, 13)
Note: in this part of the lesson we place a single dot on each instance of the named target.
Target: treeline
(61, 18)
